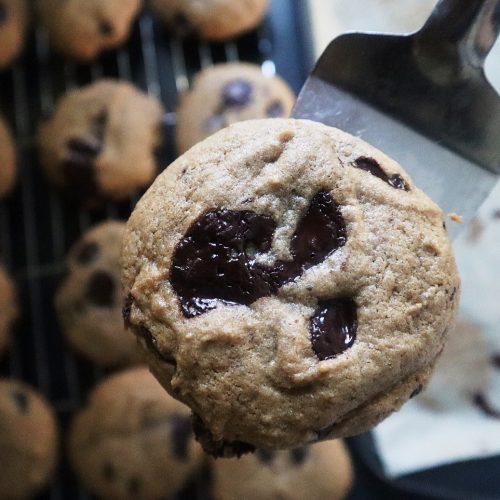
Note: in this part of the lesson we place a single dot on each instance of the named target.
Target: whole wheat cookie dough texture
(28, 441)
(89, 300)
(82, 29)
(13, 25)
(228, 93)
(133, 440)
(210, 19)
(8, 169)
(100, 143)
(317, 472)
(8, 307)
(289, 283)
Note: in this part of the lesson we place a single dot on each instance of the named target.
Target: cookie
(289, 283)
(210, 19)
(28, 441)
(82, 29)
(7, 160)
(226, 94)
(314, 472)
(132, 440)
(13, 24)
(8, 307)
(89, 300)
(101, 140)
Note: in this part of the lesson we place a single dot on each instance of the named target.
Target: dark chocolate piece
(299, 455)
(237, 93)
(105, 28)
(265, 456)
(21, 400)
(101, 289)
(372, 166)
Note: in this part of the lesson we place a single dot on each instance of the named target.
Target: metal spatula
(422, 98)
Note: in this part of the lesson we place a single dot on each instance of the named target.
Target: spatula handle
(462, 28)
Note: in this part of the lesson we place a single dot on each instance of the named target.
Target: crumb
(455, 217)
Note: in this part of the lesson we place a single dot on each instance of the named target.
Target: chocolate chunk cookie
(100, 142)
(82, 29)
(132, 440)
(318, 472)
(8, 307)
(28, 441)
(226, 94)
(288, 282)
(13, 24)
(89, 299)
(210, 19)
(7, 159)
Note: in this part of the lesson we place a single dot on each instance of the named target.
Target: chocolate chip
(372, 166)
(237, 93)
(182, 431)
(482, 403)
(126, 310)
(151, 344)
(87, 252)
(3, 13)
(266, 456)
(333, 327)
(299, 455)
(416, 391)
(134, 485)
(275, 110)
(21, 400)
(105, 28)
(212, 264)
(101, 289)
(219, 448)
(108, 472)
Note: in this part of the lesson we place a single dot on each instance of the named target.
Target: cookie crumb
(455, 217)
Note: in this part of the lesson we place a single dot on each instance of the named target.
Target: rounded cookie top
(210, 19)
(100, 142)
(13, 24)
(89, 299)
(290, 284)
(228, 93)
(7, 159)
(133, 440)
(8, 307)
(82, 29)
(28, 441)
(315, 472)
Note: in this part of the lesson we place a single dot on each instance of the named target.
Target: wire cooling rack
(37, 226)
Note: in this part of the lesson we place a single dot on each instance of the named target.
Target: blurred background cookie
(228, 93)
(318, 472)
(28, 441)
(82, 29)
(7, 159)
(89, 300)
(13, 22)
(132, 440)
(101, 140)
(8, 307)
(210, 19)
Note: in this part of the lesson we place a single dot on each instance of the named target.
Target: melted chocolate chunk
(101, 289)
(372, 166)
(21, 400)
(333, 327)
(3, 13)
(126, 310)
(212, 264)
(237, 93)
(108, 472)
(87, 252)
(182, 430)
(416, 391)
(482, 403)
(299, 455)
(105, 28)
(152, 346)
(134, 485)
(221, 448)
(275, 110)
(265, 456)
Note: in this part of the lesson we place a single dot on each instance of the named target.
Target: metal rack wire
(38, 226)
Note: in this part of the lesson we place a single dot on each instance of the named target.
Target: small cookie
(318, 472)
(226, 94)
(289, 282)
(210, 19)
(28, 441)
(13, 24)
(8, 307)
(82, 29)
(101, 140)
(89, 300)
(132, 440)
(7, 159)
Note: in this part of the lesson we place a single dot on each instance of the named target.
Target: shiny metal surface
(421, 98)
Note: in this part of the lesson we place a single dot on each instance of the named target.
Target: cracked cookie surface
(289, 283)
